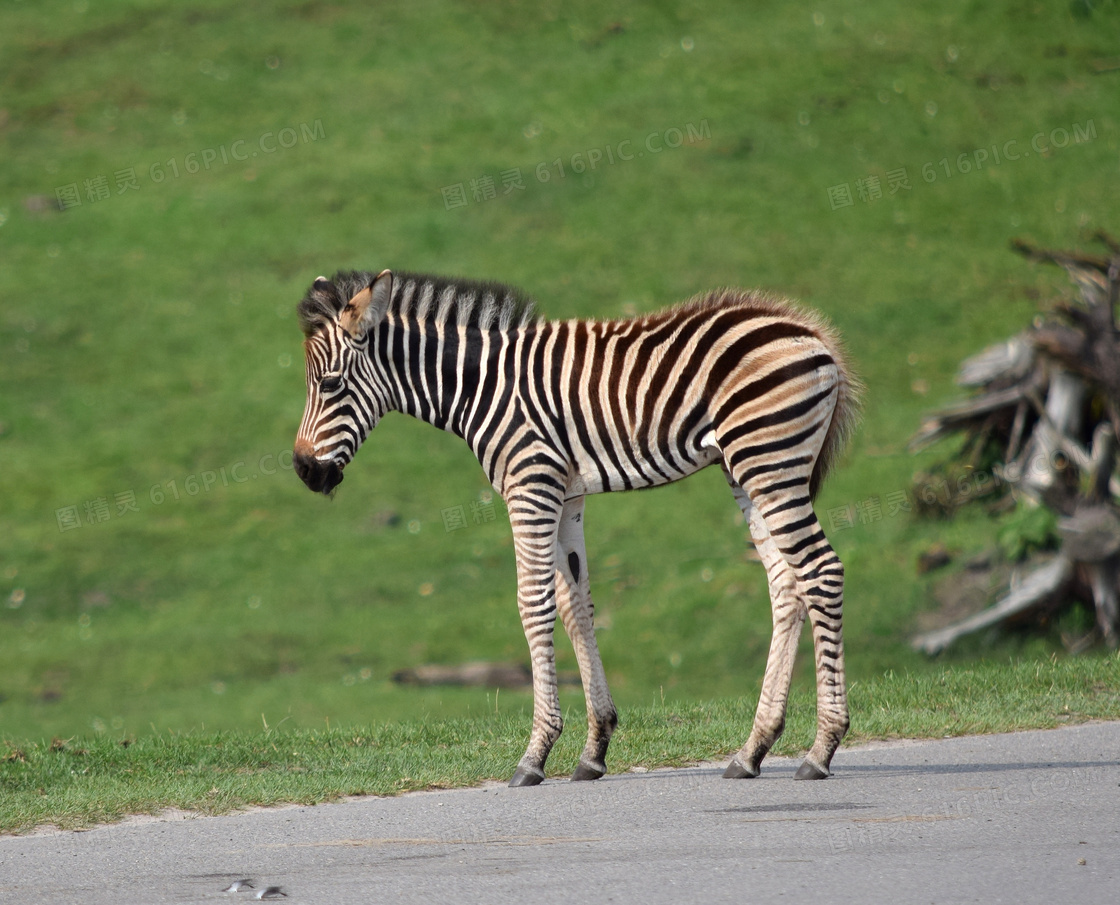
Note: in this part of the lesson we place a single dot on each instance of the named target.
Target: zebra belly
(631, 469)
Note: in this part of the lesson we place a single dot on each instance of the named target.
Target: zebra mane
(465, 303)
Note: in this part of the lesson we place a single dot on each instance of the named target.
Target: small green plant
(1028, 530)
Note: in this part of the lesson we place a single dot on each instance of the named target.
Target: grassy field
(72, 783)
(161, 568)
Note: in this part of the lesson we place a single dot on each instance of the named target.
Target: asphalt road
(1029, 817)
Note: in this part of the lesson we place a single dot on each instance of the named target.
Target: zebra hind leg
(806, 579)
(789, 616)
(824, 589)
(797, 547)
(573, 597)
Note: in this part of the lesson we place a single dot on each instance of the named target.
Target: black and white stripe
(558, 410)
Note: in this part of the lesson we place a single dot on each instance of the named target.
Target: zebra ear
(367, 307)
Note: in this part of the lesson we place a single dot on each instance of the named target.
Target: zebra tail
(845, 417)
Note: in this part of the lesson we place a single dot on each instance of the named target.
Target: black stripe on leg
(573, 564)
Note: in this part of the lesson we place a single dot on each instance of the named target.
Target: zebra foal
(558, 410)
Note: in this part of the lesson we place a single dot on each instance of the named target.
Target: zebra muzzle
(319, 476)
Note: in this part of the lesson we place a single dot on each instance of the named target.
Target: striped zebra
(557, 410)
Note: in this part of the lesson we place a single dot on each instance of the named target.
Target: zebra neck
(451, 376)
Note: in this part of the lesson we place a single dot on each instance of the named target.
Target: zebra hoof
(736, 770)
(810, 771)
(525, 777)
(584, 773)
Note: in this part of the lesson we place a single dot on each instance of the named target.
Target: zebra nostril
(321, 477)
(304, 465)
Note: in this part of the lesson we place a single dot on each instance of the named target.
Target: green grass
(150, 362)
(75, 782)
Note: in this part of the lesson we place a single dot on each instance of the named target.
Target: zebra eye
(330, 383)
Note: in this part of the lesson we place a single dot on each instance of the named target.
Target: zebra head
(345, 397)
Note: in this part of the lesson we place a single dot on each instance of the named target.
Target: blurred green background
(176, 174)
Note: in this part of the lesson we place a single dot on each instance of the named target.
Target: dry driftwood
(1036, 590)
(1089, 557)
(492, 675)
(478, 673)
(1051, 396)
(1011, 360)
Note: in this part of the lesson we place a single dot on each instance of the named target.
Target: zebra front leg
(573, 595)
(789, 616)
(534, 542)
